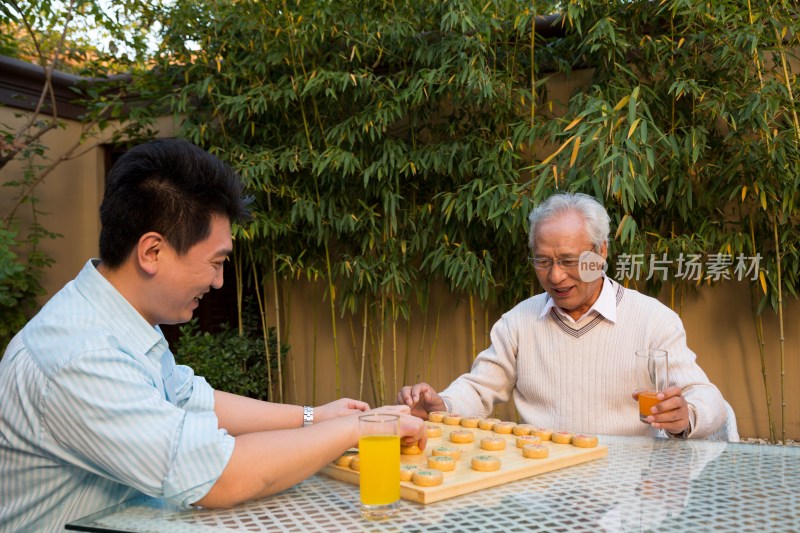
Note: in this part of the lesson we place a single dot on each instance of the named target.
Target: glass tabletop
(643, 485)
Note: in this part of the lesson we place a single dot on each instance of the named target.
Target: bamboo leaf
(633, 128)
(575, 147)
(621, 226)
(623, 101)
(560, 149)
(573, 123)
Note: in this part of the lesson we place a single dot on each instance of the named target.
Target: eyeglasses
(546, 263)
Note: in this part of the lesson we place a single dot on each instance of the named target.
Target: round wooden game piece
(535, 451)
(461, 436)
(487, 423)
(447, 451)
(485, 463)
(561, 437)
(410, 449)
(452, 419)
(436, 416)
(584, 441)
(427, 478)
(543, 433)
(346, 458)
(355, 463)
(407, 471)
(433, 431)
(493, 444)
(442, 462)
(521, 429)
(469, 422)
(523, 440)
(504, 428)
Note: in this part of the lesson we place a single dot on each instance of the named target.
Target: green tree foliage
(390, 144)
(387, 141)
(375, 136)
(689, 128)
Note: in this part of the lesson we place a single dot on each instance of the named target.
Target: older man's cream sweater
(579, 376)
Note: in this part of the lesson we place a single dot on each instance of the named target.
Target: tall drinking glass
(652, 370)
(379, 449)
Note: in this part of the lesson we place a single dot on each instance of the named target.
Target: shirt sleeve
(193, 393)
(492, 377)
(103, 413)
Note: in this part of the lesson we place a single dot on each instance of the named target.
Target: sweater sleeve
(492, 377)
(703, 397)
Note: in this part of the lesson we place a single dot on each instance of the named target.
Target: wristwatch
(308, 415)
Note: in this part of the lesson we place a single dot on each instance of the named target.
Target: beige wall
(69, 197)
(720, 328)
(718, 320)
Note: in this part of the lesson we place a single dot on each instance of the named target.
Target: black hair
(169, 186)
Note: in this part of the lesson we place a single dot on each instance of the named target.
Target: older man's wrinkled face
(558, 244)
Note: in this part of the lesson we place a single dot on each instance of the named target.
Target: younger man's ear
(148, 251)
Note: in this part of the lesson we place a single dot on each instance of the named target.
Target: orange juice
(380, 469)
(647, 399)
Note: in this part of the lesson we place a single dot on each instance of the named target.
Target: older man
(567, 355)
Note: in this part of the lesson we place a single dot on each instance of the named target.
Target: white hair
(596, 221)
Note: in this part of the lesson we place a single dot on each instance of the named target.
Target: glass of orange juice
(379, 449)
(652, 371)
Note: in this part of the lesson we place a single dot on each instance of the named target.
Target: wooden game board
(464, 479)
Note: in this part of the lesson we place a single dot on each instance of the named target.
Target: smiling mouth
(562, 291)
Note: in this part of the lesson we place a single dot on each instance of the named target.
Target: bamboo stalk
(421, 357)
(363, 350)
(277, 326)
(759, 325)
(796, 123)
(435, 341)
(407, 355)
(277, 310)
(394, 341)
(335, 340)
(314, 359)
(472, 323)
(780, 324)
(486, 327)
(262, 311)
(373, 361)
(237, 269)
(381, 350)
(353, 342)
(293, 366)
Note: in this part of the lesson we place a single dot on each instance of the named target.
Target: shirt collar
(109, 302)
(605, 305)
